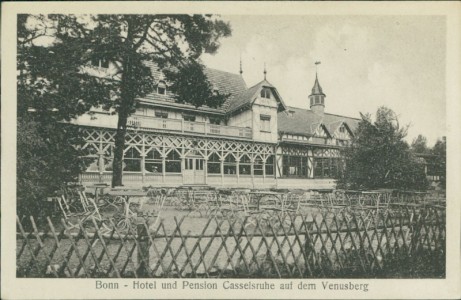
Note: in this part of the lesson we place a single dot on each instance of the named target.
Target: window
(295, 166)
(215, 121)
(153, 162)
(342, 129)
(189, 163)
(214, 164)
(132, 160)
(258, 167)
(245, 165)
(189, 118)
(266, 93)
(230, 166)
(161, 114)
(265, 123)
(327, 167)
(161, 88)
(199, 164)
(270, 165)
(173, 162)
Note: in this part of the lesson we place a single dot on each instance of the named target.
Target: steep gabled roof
(304, 121)
(333, 127)
(224, 82)
(249, 96)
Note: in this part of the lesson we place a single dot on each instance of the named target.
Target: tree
(173, 42)
(50, 90)
(419, 145)
(380, 158)
(440, 150)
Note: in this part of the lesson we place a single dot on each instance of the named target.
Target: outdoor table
(261, 194)
(242, 196)
(353, 195)
(414, 205)
(126, 194)
(325, 194)
(370, 198)
(96, 187)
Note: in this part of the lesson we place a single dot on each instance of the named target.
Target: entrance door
(194, 170)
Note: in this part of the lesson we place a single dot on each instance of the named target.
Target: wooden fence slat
(105, 250)
(42, 246)
(290, 245)
(29, 246)
(268, 249)
(188, 256)
(168, 247)
(335, 240)
(207, 247)
(238, 247)
(57, 241)
(196, 245)
(254, 259)
(90, 248)
(280, 250)
(129, 252)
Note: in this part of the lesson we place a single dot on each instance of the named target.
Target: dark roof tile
(304, 121)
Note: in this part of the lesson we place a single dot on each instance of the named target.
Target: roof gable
(335, 129)
(304, 121)
(321, 131)
(249, 96)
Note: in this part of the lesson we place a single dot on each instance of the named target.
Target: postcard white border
(17, 288)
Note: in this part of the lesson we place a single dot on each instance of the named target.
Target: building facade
(253, 140)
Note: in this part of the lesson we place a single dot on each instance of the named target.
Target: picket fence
(328, 244)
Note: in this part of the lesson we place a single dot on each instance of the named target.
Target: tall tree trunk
(117, 170)
(126, 102)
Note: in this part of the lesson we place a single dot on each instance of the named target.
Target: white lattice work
(102, 141)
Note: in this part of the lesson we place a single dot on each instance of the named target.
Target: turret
(317, 98)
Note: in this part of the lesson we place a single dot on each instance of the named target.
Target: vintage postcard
(217, 150)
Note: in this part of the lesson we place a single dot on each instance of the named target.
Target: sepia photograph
(220, 151)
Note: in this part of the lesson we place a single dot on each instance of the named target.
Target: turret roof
(317, 89)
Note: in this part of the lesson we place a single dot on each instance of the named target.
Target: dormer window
(266, 93)
(161, 114)
(100, 62)
(189, 118)
(215, 121)
(161, 88)
(342, 129)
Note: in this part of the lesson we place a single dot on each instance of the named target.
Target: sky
(366, 62)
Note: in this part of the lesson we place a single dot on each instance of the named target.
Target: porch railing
(152, 123)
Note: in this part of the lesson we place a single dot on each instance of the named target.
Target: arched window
(173, 162)
(214, 164)
(161, 87)
(153, 162)
(266, 93)
(230, 166)
(270, 165)
(258, 166)
(132, 160)
(245, 165)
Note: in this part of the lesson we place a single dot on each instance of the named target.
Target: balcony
(179, 125)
